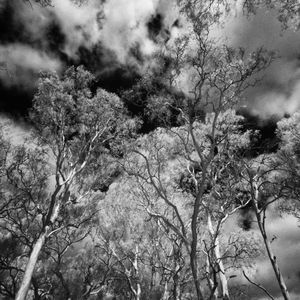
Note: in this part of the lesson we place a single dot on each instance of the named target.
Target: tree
(24, 186)
(274, 179)
(24, 182)
(218, 77)
(288, 156)
(167, 178)
(287, 10)
(73, 131)
(265, 186)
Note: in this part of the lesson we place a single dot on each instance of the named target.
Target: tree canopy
(146, 196)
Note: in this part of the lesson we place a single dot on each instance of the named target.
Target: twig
(258, 285)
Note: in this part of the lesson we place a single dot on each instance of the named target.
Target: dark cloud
(10, 31)
(49, 38)
(155, 25)
(129, 34)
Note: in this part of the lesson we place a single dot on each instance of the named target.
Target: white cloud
(78, 23)
(278, 103)
(20, 60)
(14, 132)
(125, 26)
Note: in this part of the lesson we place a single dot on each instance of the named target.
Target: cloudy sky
(116, 39)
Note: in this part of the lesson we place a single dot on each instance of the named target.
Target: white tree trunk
(26, 281)
(166, 293)
(138, 286)
(219, 262)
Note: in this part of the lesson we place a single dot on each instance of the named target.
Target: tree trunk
(223, 279)
(25, 284)
(194, 266)
(276, 269)
(176, 287)
(166, 293)
(272, 257)
(22, 293)
(193, 253)
(219, 262)
(210, 282)
(138, 285)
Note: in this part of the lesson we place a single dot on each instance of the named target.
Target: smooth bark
(219, 262)
(37, 247)
(25, 285)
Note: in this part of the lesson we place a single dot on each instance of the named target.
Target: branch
(259, 286)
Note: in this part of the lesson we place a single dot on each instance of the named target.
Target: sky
(116, 39)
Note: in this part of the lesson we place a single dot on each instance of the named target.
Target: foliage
(98, 205)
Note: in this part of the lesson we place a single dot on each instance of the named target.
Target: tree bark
(210, 282)
(176, 287)
(272, 257)
(219, 262)
(138, 285)
(275, 266)
(194, 266)
(193, 253)
(166, 293)
(222, 276)
(26, 281)
(22, 293)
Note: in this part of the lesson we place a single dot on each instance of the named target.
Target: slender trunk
(211, 284)
(219, 262)
(194, 267)
(176, 288)
(223, 279)
(166, 293)
(22, 293)
(138, 291)
(272, 257)
(193, 253)
(37, 247)
(276, 269)
(273, 260)
(177, 295)
(138, 285)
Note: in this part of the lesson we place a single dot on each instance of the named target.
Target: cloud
(278, 92)
(79, 24)
(22, 62)
(125, 26)
(14, 132)
(284, 230)
(277, 103)
(124, 32)
(286, 248)
(117, 25)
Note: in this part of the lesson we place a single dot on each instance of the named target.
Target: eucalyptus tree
(74, 129)
(204, 143)
(274, 180)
